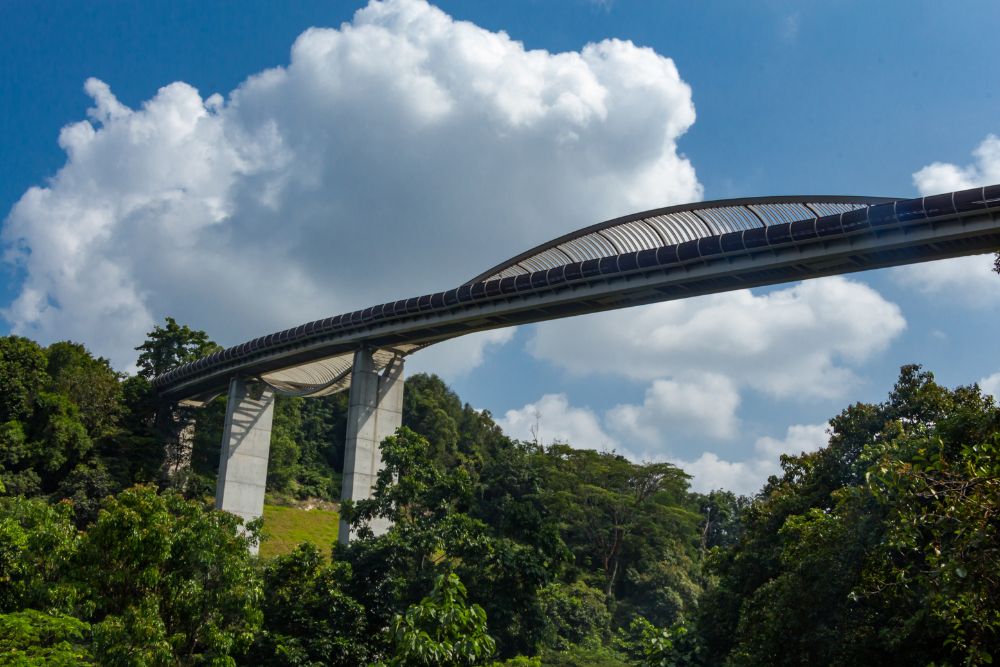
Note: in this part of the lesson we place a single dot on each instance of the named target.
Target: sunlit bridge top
(671, 226)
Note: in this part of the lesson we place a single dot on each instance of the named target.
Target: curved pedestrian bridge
(660, 255)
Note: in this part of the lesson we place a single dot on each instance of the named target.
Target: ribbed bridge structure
(660, 255)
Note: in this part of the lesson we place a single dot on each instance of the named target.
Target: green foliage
(881, 548)
(134, 455)
(22, 376)
(423, 502)
(574, 614)
(943, 539)
(878, 549)
(652, 646)
(308, 617)
(455, 432)
(168, 578)
(575, 656)
(433, 411)
(159, 579)
(91, 384)
(721, 525)
(170, 346)
(616, 514)
(321, 434)
(442, 629)
(519, 661)
(42, 431)
(30, 637)
(85, 487)
(78, 430)
(37, 540)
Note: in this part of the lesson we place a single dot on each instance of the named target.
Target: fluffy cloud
(702, 408)
(945, 177)
(552, 419)
(793, 342)
(399, 153)
(798, 438)
(991, 385)
(965, 279)
(456, 357)
(710, 472)
(672, 413)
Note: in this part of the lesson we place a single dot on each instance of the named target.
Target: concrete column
(375, 411)
(246, 441)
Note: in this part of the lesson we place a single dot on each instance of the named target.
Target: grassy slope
(287, 527)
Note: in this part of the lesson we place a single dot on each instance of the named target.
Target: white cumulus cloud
(945, 177)
(746, 477)
(705, 407)
(399, 153)
(456, 357)
(970, 279)
(800, 341)
(552, 419)
(991, 385)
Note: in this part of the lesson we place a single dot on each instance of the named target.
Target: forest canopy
(880, 548)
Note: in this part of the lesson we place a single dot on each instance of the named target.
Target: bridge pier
(375, 411)
(246, 442)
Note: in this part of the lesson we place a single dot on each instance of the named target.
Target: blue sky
(455, 147)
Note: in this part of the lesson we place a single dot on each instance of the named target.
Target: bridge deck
(836, 235)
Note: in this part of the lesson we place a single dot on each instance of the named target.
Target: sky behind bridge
(247, 167)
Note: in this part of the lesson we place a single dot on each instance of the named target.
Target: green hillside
(287, 527)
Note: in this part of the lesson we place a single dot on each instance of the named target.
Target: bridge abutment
(375, 411)
(246, 443)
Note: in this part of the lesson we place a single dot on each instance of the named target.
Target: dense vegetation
(881, 548)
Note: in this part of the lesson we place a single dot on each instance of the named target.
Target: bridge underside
(621, 263)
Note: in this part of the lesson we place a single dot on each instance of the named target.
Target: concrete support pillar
(375, 411)
(246, 441)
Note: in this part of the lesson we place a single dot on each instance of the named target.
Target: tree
(308, 617)
(40, 450)
(170, 346)
(91, 384)
(721, 523)
(58, 439)
(456, 432)
(442, 630)
(574, 614)
(37, 543)
(433, 411)
(652, 646)
(283, 463)
(614, 509)
(32, 637)
(22, 376)
(895, 512)
(424, 505)
(165, 348)
(168, 579)
(135, 453)
(943, 540)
